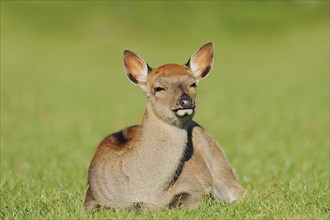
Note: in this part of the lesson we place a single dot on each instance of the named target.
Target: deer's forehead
(171, 73)
(173, 81)
(170, 70)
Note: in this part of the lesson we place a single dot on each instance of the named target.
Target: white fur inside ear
(195, 69)
(183, 112)
(144, 73)
(143, 78)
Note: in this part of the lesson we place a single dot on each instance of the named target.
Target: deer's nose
(185, 101)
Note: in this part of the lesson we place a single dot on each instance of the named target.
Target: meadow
(266, 101)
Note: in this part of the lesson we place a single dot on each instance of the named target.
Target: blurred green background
(63, 89)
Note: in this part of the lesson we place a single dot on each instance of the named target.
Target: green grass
(266, 101)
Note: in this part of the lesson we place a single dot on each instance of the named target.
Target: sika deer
(168, 160)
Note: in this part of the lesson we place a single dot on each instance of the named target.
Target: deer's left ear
(200, 63)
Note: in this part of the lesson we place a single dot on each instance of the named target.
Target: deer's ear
(136, 69)
(200, 63)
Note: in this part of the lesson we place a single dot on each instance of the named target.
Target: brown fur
(168, 160)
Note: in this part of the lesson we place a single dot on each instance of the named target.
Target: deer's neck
(155, 125)
(160, 145)
(159, 136)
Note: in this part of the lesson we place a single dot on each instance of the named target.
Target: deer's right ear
(136, 69)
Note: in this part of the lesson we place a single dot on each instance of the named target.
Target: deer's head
(171, 88)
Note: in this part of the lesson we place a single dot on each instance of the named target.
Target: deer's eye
(159, 89)
(194, 85)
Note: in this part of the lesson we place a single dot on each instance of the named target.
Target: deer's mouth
(182, 112)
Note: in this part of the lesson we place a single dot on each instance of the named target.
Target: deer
(168, 160)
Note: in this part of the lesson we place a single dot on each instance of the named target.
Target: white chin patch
(183, 112)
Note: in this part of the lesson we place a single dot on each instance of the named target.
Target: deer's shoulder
(200, 135)
(121, 140)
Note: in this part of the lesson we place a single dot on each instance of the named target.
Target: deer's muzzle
(185, 102)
